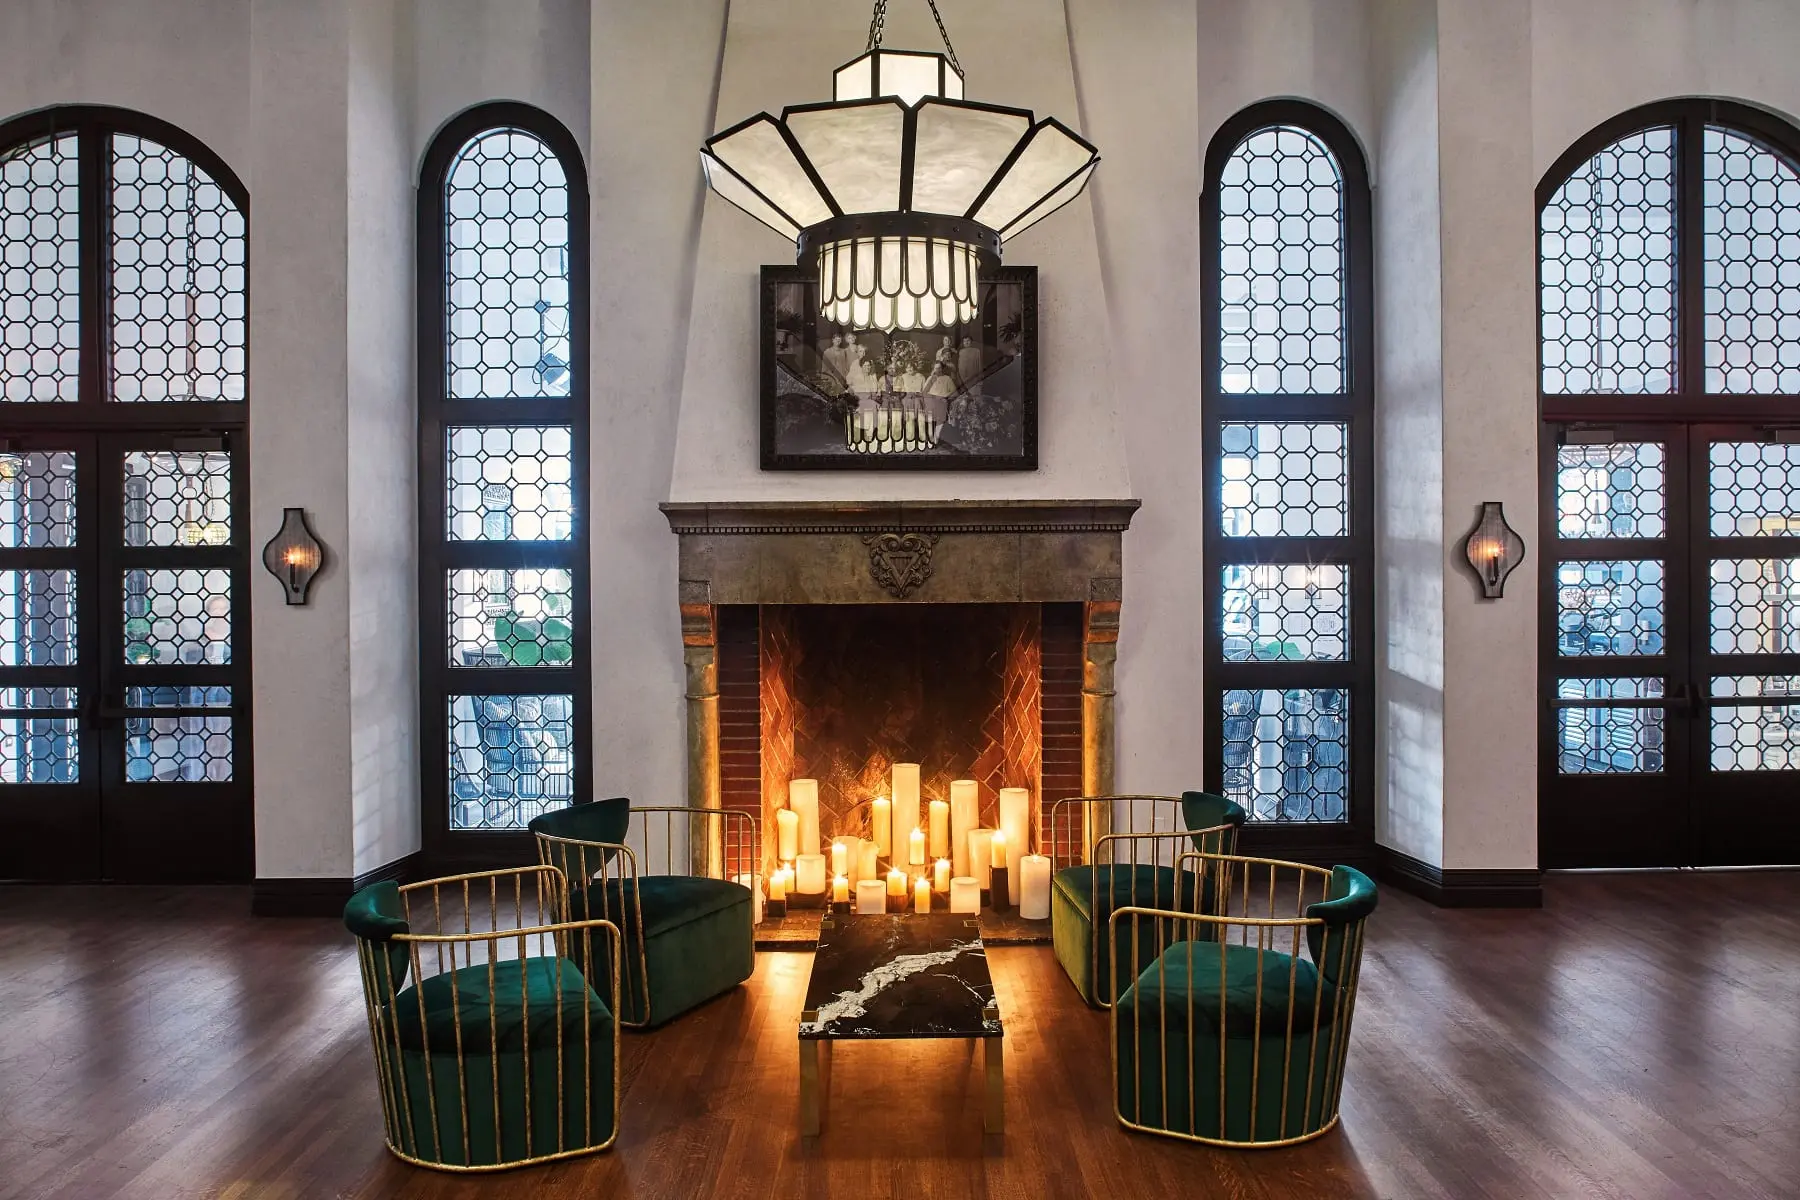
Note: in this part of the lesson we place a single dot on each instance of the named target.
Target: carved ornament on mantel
(900, 563)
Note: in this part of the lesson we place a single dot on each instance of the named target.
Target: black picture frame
(992, 426)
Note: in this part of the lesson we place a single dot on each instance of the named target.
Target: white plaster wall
(383, 432)
(470, 51)
(782, 52)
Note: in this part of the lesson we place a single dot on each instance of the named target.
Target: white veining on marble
(846, 1005)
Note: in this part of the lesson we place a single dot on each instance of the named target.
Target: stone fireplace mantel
(899, 552)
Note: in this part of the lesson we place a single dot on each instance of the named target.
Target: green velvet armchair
(1111, 851)
(1236, 1033)
(688, 931)
(493, 1048)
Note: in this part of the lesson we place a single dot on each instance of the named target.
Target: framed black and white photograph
(959, 397)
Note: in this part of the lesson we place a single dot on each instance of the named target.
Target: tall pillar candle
(965, 811)
(1034, 887)
(866, 860)
(981, 849)
(940, 876)
(922, 895)
(940, 829)
(871, 896)
(906, 804)
(840, 857)
(787, 835)
(803, 798)
(809, 874)
(915, 855)
(1015, 822)
(881, 821)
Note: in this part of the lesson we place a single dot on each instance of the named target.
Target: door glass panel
(1284, 479)
(1762, 736)
(1610, 491)
(511, 758)
(1755, 606)
(1752, 201)
(1287, 752)
(178, 499)
(39, 736)
(182, 747)
(178, 616)
(1285, 613)
(177, 281)
(37, 618)
(40, 272)
(1609, 741)
(1753, 488)
(1609, 607)
(510, 483)
(37, 500)
(519, 618)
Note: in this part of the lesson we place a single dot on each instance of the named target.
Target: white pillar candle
(787, 834)
(981, 851)
(896, 884)
(881, 820)
(940, 876)
(871, 896)
(754, 883)
(906, 804)
(965, 894)
(809, 874)
(803, 798)
(840, 857)
(840, 889)
(965, 811)
(922, 895)
(1034, 887)
(915, 841)
(867, 868)
(940, 829)
(1015, 820)
(778, 885)
(997, 849)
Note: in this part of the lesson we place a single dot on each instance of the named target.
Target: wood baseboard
(325, 896)
(1460, 888)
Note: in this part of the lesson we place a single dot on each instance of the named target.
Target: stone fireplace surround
(898, 552)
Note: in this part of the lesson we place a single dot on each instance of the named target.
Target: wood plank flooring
(1637, 1038)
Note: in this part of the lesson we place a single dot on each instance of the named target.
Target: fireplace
(830, 640)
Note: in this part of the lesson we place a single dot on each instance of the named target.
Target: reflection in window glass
(1287, 479)
(1610, 491)
(37, 618)
(39, 735)
(178, 499)
(1759, 736)
(37, 500)
(1609, 607)
(1286, 613)
(1752, 267)
(1753, 488)
(501, 618)
(1755, 605)
(510, 482)
(178, 616)
(511, 758)
(40, 271)
(1287, 752)
(1609, 741)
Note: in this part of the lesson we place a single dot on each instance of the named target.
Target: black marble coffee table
(897, 976)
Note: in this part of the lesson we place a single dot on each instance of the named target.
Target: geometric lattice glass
(1763, 736)
(1609, 741)
(40, 749)
(176, 284)
(1754, 606)
(37, 499)
(509, 483)
(1753, 488)
(37, 618)
(1286, 613)
(506, 201)
(511, 758)
(1281, 266)
(178, 616)
(40, 271)
(1607, 264)
(1752, 201)
(1610, 491)
(1286, 479)
(186, 747)
(1287, 752)
(1609, 607)
(516, 618)
(178, 499)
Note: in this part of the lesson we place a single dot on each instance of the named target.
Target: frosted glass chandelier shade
(899, 191)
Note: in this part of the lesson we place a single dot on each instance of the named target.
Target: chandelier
(899, 190)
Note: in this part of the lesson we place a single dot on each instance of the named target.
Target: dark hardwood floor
(1639, 1037)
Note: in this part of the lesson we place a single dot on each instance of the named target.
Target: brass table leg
(993, 1109)
(813, 1078)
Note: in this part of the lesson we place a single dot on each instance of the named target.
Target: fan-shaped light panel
(959, 148)
(856, 150)
(758, 153)
(1044, 165)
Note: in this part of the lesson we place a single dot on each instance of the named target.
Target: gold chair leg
(993, 1109)
(812, 1098)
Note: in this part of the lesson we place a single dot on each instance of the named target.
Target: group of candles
(944, 854)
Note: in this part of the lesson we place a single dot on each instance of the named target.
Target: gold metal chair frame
(1238, 926)
(598, 863)
(1101, 849)
(380, 999)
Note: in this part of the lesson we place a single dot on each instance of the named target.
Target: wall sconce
(1494, 549)
(294, 555)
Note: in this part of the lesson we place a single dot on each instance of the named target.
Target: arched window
(1287, 407)
(1669, 355)
(503, 402)
(124, 540)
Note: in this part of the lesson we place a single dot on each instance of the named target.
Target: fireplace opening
(841, 692)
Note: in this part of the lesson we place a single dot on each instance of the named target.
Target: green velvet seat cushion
(1075, 927)
(1120, 886)
(669, 901)
(699, 941)
(1215, 978)
(513, 1004)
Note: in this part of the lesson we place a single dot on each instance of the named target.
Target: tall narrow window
(503, 426)
(1288, 523)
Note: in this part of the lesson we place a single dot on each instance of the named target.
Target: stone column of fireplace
(1100, 653)
(700, 651)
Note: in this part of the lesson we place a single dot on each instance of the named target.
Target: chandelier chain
(878, 26)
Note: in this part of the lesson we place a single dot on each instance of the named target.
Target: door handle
(1684, 700)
